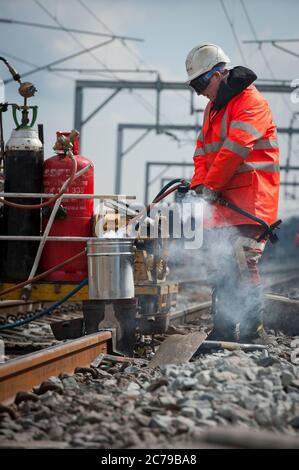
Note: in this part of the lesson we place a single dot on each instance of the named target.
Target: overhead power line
(63, 59)
(129, 49)
(274, 42)
(140, 98)
(70, 30)
(101, 22)
(147, 105)
(99, 61)
(233, 31)
(262, 41)
(256, 40)
(104, 25)
(285, 50)
(86, 70)
(31, 64)
(14, 57)
(72, 35)
(287, 104)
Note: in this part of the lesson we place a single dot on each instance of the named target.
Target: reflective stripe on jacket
(237, 154)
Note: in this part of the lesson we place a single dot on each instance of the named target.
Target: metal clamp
(16, 108)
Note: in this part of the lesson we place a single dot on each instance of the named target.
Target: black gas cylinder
(23, 170)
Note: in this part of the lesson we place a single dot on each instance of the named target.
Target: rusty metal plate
(177, 349)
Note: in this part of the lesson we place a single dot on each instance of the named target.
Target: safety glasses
(199, 84)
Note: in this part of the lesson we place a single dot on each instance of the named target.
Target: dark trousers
(233, 255)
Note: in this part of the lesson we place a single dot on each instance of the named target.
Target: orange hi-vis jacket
(237, 155)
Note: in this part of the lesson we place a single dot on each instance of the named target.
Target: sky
(170, 29)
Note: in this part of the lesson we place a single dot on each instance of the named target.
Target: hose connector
(15, 75)
(184, 187)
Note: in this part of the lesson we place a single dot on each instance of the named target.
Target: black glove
(209, 195)
(199, 189)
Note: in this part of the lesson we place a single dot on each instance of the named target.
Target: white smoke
(220, 261)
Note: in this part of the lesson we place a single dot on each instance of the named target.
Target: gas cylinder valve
(65, 144)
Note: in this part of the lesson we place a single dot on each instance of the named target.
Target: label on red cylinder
(57, 170)
(78, 219)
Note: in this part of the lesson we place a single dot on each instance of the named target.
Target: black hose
(15, 75)
(46, 311)
(158, 196)
(170, 183)
(269, 229)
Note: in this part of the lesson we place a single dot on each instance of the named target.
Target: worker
(237, 157)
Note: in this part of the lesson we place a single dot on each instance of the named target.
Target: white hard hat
(203, 58)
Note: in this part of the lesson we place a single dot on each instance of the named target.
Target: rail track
(195, 308)
(38, 335)
(46, 356)
(23, 373)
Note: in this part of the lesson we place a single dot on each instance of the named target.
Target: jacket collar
(233, 84)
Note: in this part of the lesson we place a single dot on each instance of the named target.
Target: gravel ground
(128, 405)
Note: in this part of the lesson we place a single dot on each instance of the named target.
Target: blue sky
(170, 29)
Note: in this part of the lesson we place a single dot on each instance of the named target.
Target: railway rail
(23, 373)
(39, 335)
(52, 357)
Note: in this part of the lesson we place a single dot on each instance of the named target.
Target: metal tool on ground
(229, 345)
(177, 349)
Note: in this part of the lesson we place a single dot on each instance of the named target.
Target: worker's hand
(209, 195)
(198, 189)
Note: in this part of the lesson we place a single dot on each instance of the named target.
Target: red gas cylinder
(78, 217)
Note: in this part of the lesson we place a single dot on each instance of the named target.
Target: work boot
(222, 332)
(251, 323)
(262, 337)
(224, 319)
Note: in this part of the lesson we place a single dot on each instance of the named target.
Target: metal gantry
(158, 86)
(274, 43)
(147, 128)
(118, 85)
(266, 86)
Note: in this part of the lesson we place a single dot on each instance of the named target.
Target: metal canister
(23, 169)
(79, 212)
(111, 268)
